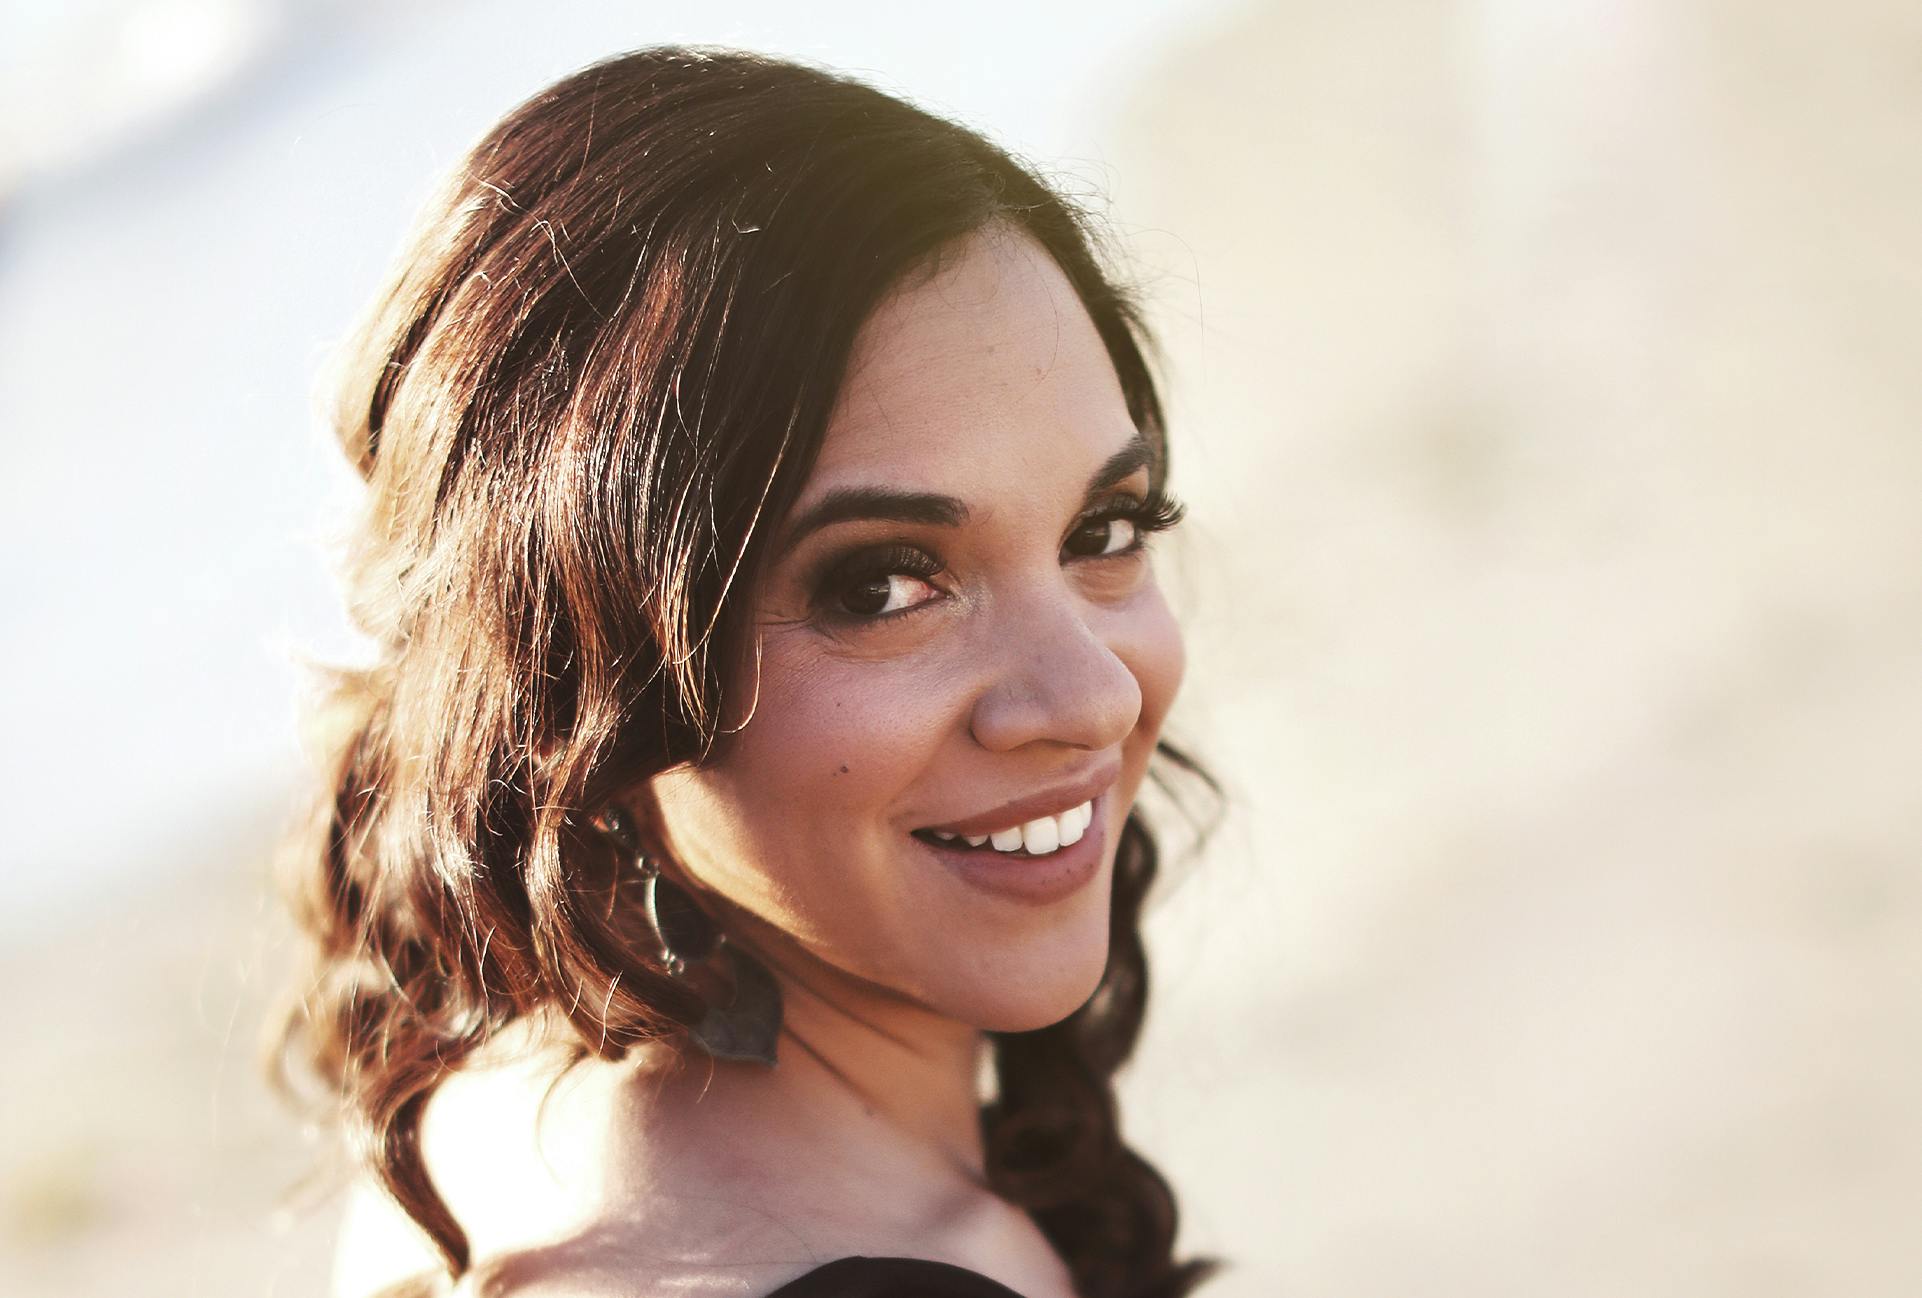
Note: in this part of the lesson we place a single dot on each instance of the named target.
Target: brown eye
(1102, 536)
(884, 593)
(869, 597)
(874, 584)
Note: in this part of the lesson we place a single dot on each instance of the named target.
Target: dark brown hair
(603, 368)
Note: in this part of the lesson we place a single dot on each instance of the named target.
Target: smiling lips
(1037, 837)
(1043, 824)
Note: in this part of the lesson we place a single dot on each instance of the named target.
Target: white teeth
(1041, 836)
(1037, 837)
(1074, 823)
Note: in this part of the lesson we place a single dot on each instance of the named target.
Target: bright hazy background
(1548, 403)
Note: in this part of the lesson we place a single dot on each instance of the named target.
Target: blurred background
(1547, 401)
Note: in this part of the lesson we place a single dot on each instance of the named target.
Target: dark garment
(892, 1277)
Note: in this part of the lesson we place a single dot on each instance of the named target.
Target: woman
(760, 473)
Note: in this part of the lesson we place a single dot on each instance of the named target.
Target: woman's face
(960, 635)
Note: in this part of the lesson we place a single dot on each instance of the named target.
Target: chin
(1030, 990)
(1034, 1017)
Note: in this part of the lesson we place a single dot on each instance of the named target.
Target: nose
(1057, 680)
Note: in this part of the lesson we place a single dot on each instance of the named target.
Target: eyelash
(1157, 512)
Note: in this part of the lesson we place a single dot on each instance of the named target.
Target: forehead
(990, 366)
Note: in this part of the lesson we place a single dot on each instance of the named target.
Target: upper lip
(1051, 801)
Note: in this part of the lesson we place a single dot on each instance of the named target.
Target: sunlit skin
(1019, 667)
(1030, 649)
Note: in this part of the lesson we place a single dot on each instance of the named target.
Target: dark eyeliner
(868, 563)
(1157, 512)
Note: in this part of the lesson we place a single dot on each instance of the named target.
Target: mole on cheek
(842, 771)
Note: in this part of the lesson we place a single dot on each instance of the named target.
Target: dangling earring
(746, 1028)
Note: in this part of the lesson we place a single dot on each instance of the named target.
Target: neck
(871, 1090)
(908, 1073)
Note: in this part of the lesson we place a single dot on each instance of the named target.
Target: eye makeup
(847, 584)
(855, 587)
(1157, 512)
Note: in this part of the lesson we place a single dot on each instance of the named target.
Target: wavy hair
(605, 364)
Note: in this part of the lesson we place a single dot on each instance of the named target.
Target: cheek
(841, 735)
(811, 782)
(1151, 647)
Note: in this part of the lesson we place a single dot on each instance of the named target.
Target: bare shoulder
(632, 1183)
(620, 1263)
(579, 1269)
(697, 1247)
(688, 1245)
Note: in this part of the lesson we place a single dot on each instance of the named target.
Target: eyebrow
(884, 504)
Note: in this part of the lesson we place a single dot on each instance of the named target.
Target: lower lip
(1036, 880)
